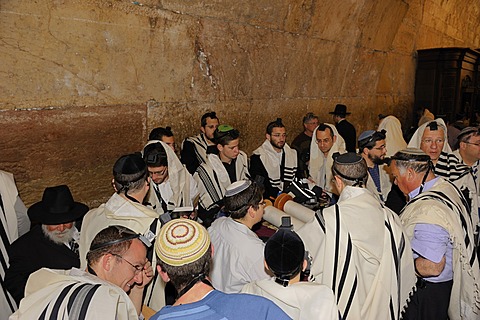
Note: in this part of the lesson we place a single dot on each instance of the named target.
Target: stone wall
(83, 82)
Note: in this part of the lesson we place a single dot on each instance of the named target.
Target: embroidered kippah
(237, 187)
(181, 241)
(411, 154)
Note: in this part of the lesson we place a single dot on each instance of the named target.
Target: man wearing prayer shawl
(325, 142)
(431, 138)
(359, 248)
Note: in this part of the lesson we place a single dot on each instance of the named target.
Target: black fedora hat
(340, 110)
(57, 207)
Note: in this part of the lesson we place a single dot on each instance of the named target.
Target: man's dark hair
(237, 205)
(211, 115)
(110, 240)
(224, 134)
(155, 155)
(274, 124)
(323, 127)
(371, 141)
(159, 133)
(181, 276)
(309, 116)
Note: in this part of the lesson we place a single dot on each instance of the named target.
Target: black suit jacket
(31, 252)
(348, 133)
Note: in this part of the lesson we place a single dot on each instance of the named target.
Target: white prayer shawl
(73, 294)
(137, 217)
(385, 183)
(269, 158)
(301, 300)
(180, 183)
(394, 136)
(14, 222)
(212, 178)
(200, 143)
(450, 167)
(359, 249)
(444, 205)
(319, 169)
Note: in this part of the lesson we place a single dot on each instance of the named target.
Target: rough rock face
(83, 82)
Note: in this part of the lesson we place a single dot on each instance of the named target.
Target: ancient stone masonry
(84, 81)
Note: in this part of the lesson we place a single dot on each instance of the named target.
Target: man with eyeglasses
(301, 143)
(274, 163)
(172, 186)
(238, 257)
(372, 148)
(324, 143)
(125, 208)
(431, 138)
(219, 171)
(195, 148)
(110, 287)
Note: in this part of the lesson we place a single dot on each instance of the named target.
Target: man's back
(218, 305)
(349, 134)
(359, 250)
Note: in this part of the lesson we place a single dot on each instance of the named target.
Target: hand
(147, 275)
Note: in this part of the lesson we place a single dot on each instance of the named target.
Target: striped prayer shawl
(366, 257)
(278, 175)
(212, 178)
(200, 143)
(75, 295)
(450, 167)
(445, 205)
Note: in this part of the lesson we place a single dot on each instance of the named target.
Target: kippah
(284, 252)
(347, 158)
(224, 128)
(366, 134)
(466, 131)
(181, 241)
(237, 187)
(411, 154)
(131, 165)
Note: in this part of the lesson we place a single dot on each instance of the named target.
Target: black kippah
(284, 253)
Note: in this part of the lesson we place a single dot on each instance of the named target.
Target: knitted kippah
(181, 241)
(237, 187)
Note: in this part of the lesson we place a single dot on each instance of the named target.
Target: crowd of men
(393, 233)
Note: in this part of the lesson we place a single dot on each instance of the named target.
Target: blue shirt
(432, 242)
(217, 305)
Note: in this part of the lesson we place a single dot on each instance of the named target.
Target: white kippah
(237, 187)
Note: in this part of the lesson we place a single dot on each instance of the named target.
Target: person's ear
(107, 261)
(334, 139)
(268, 137)
(305, 264)
(113, 185)
(163, 274)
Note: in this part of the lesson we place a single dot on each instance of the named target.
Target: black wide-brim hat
(340, 110)
(57, 207)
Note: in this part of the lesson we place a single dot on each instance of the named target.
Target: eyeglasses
(138, 268)
(158, 173)
(278, 135)
(475, 144)
(430, 141)
(326, 140)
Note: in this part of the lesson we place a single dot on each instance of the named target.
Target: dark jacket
(31, 252)
(348, 133)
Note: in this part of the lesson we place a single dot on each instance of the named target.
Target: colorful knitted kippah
(181, 241)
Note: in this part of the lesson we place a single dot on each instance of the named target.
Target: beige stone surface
(84, 81)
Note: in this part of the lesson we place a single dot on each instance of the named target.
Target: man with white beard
(51, 244)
